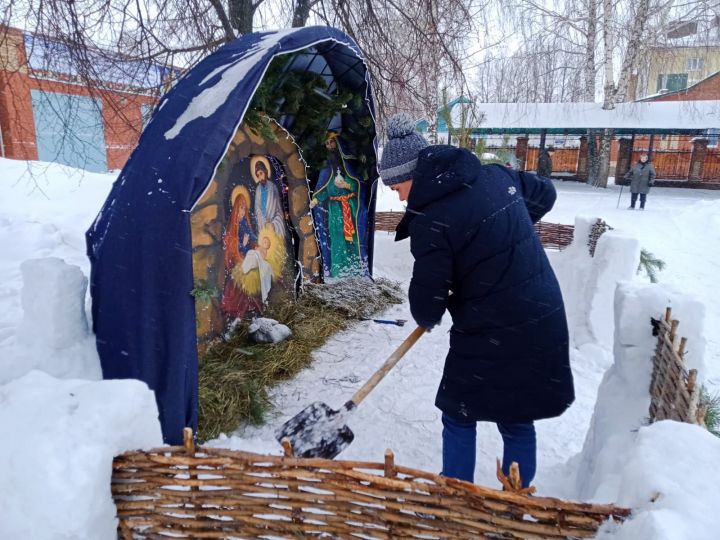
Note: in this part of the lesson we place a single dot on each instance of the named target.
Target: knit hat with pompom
(400, 154)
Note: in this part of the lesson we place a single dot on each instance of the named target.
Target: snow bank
(588, 283)
(57, 462)
(44, 211)
(669, 477)
(53, 335)
(625, 463)
(53, 301)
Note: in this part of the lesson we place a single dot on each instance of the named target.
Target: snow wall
(666, 472)
(62, 433)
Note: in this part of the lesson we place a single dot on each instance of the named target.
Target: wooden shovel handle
(388, 365)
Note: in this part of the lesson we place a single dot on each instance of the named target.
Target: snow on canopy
(669, 115)
(140, 245)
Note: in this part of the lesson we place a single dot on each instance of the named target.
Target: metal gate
(69, 130)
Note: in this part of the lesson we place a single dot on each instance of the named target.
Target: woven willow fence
(674, 392)
(189, 492)
(387, 221)
(556, 236)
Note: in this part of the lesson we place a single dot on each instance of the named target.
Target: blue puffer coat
(476, 254)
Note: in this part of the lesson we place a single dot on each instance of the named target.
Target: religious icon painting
(339, 214)
(247, 239)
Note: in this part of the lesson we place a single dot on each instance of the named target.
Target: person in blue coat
(477, 256)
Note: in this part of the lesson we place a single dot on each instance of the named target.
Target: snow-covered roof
(675, 92)
(672, 116)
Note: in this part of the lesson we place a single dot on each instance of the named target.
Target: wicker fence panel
(387, 221)
(188, 492)
(674, 392)
(552, 235)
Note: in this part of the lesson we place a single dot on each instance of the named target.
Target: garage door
(69, 130)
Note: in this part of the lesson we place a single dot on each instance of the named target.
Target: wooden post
(543, 134)
(521, 152)
(390, 471)
(673, 331)
(581, 171)
(694, 392)
(681, 349)
(624, 160)
(189, 441)
(650, 146)
(697, 159)
(287, 448)
(288, 452)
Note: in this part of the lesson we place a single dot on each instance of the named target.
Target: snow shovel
(319, 431)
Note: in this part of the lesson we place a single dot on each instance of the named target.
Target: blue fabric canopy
(140, 245)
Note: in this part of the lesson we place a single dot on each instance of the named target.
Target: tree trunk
(609, 88)
(632, 51)
(592, 157)
(241, 14)
(603, 161)
(301, 12)
(590, 38)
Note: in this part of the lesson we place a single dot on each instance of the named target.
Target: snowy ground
(400, 414)
(46, 214)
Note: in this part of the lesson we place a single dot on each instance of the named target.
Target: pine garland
(651, 264)
(712, 410)
(304, 96)
(204, 291)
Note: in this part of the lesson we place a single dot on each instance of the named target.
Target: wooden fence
(670, 164)
(711, 168)
(674, 392)
(564, 160)
(189, 492)
(555, 236)
(387, 221)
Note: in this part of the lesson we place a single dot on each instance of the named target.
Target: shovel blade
(317, 431)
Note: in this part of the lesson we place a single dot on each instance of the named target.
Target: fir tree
(712, 410)
(651, 264)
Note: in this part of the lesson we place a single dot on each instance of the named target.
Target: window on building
(146, 113)
(713, 137)
(695, 64)
(672, 82)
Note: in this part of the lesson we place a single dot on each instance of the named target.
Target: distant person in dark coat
(642, 178)
(477, 255)
(544, 167)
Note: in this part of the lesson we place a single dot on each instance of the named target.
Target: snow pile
(588, 283)
(57, 462)
(623, 396)
(65, 432)
(649, 469)
(53, 301)
(669, 476)
(53, 335)
(44, 212)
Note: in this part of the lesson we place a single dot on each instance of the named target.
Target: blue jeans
(459, 438)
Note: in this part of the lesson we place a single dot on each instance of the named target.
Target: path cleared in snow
(400, 413)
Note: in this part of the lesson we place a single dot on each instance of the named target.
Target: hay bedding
(235, 374)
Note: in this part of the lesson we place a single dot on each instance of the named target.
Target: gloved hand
(428, 326)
